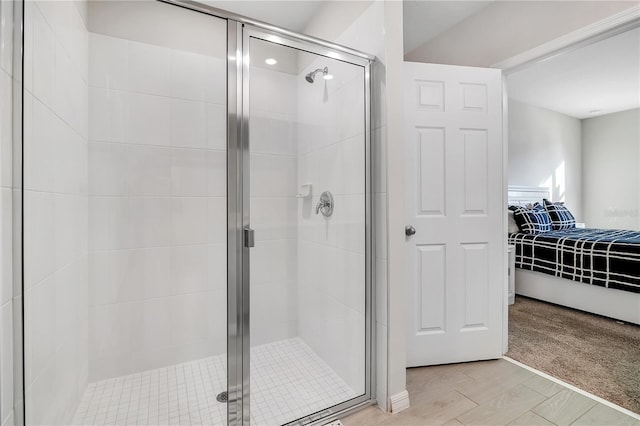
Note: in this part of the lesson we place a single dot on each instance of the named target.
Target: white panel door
(454, 152)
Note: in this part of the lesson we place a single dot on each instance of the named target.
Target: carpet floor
(596, 354)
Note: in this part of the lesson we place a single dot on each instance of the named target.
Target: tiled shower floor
(288, 381)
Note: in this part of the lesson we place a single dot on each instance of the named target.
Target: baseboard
(399, 402)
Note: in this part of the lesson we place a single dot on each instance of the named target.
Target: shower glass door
(125, 195)
(306, 149)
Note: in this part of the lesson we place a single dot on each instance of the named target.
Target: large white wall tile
(380, 225)
(271, 261)
(6, 360)
(187, 75)
(274, 218)
(38, 145)
(190, 170)
(6, 35)
(132, 222)
(6, 245)
(108, 115)
(109, 66)
(41, 341)
(217, 219)
(273, 313)
(112, 331)
(273, 176)
(215, 87)
(120, 276)
(272, 133)
(188, 124)
(148, 119)
(39, 237)
(353, 166)
(273, 91)
(189, 220)
(150, 69)
(216, 116)
(129, 170)
(6, 129)
(70, 93)
(44, 57)
(190, 272)
(169, 330)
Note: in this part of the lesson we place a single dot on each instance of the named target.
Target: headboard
(523, 195)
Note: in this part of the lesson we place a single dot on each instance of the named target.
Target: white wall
(55, 210)
(545, 149)
(157, 204)
(506, 28)
(7, 296)
(611, 176)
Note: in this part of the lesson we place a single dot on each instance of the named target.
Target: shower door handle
(249, 238)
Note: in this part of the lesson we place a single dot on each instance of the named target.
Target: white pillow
(512, 226)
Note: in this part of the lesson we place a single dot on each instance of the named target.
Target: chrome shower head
(312, 75)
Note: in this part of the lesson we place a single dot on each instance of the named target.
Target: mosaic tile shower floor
(288, 381)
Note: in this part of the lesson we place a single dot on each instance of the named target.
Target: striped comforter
(603, 257)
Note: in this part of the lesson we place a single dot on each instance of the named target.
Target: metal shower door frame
(239, 118)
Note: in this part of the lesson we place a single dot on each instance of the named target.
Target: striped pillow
(532, 221)
(561, 217)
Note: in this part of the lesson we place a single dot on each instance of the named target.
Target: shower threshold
(288, 381)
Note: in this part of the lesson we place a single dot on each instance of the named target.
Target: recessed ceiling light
(270, 61)
(594, 111)
(327, 76)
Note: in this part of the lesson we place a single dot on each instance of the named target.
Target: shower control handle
(325, 204)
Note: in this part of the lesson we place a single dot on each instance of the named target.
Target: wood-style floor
(490, 393)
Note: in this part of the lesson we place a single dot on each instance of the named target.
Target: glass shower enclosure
(197, 219)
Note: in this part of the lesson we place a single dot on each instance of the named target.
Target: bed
(592, 270)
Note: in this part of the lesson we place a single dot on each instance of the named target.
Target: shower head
(312, 75)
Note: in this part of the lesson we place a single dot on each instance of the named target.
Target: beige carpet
(596, 354)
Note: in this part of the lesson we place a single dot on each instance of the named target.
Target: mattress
(603, 257)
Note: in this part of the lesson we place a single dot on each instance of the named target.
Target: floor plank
(564, 407)
(600, 415)
(544, 386)
(493, 382)
(503, 408)
(530, 419)
(437, 411)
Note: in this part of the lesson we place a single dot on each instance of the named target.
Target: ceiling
(593, 80)
(292, 15)
(425, 19)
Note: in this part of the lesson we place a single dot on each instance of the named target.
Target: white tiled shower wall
(331, 270)
(273, 205)
(55, 206)
(157, 206)
(331, 265)
(6, 221)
